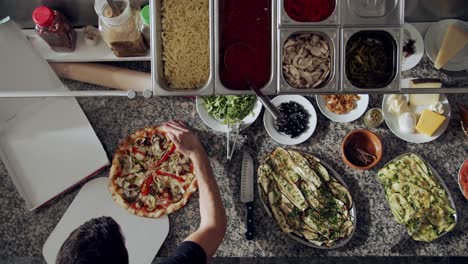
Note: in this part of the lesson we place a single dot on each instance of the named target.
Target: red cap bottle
(43, 16)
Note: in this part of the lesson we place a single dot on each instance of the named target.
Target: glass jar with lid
(121, 31)
(145, 24)
(53, 27)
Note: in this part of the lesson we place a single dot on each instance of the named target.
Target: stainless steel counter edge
(333, 33)
(345, 84)
(271, 87)
(160, 88)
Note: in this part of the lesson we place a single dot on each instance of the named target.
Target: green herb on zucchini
(416, 198)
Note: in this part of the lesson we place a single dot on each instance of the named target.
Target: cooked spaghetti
(185, 40)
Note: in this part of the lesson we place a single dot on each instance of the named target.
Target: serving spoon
(233, 63)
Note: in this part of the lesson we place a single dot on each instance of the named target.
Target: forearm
(211, 206)
(213, 216)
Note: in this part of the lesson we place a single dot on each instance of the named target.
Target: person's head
(97, 241)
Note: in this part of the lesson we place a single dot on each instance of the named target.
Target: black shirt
(187, 252)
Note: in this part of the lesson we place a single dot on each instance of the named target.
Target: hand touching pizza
(151, 173)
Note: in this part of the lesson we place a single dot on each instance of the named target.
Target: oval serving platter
(339, 243)
(441, 182)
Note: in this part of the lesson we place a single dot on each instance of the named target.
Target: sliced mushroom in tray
(306, 61)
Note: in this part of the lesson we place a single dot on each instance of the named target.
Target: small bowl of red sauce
(463, 179)
(309, 10)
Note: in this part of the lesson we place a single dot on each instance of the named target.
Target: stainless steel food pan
(285, 20)
(270, 88)
(394, 34)
(331, 35)
(160, 85)
(372, 12)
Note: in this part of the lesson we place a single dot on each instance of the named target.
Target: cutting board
(143, 236)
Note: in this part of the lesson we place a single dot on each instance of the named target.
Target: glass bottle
(145, 24)
(55, 29)
(121, 32)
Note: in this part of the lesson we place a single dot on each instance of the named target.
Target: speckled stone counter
(23, 233)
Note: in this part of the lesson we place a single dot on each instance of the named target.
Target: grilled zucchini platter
(418, 197)
(307, 198)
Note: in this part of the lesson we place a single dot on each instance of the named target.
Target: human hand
(185, 141)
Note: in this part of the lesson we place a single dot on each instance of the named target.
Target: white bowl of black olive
(300, 116)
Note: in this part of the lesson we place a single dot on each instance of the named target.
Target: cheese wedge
(429, 122)
(454, 41)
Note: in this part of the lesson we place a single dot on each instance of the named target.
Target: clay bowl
(464, 118)
(464, 113)
(363, 140)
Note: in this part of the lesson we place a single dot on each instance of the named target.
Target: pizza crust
(171, 208)
(116, 168)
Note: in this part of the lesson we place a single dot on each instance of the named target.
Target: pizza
(148, 176)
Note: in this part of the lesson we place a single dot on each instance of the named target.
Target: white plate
(410, 32)
(219, 125)
(358, 111)
(433, 40)
(281, 138)
(392, 121)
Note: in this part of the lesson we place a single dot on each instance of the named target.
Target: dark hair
(99, 240)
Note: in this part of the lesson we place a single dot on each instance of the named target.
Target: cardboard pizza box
(143, 236)
(46, 144)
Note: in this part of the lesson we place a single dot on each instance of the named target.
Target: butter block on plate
(429, 122)
(425, 83)
(424, 99)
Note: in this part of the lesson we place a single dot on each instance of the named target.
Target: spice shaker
(55, 29)
(145, 24)
(121, 32)
(374, 117)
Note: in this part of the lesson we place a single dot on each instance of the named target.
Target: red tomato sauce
(463, 178)
(245, 22)
(309, 10)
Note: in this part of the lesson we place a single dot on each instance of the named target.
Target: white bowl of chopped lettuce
(217, 111)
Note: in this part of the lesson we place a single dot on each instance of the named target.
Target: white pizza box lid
(143, 236)
(46, 144)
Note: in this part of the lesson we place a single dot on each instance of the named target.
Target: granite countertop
(23, 233)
